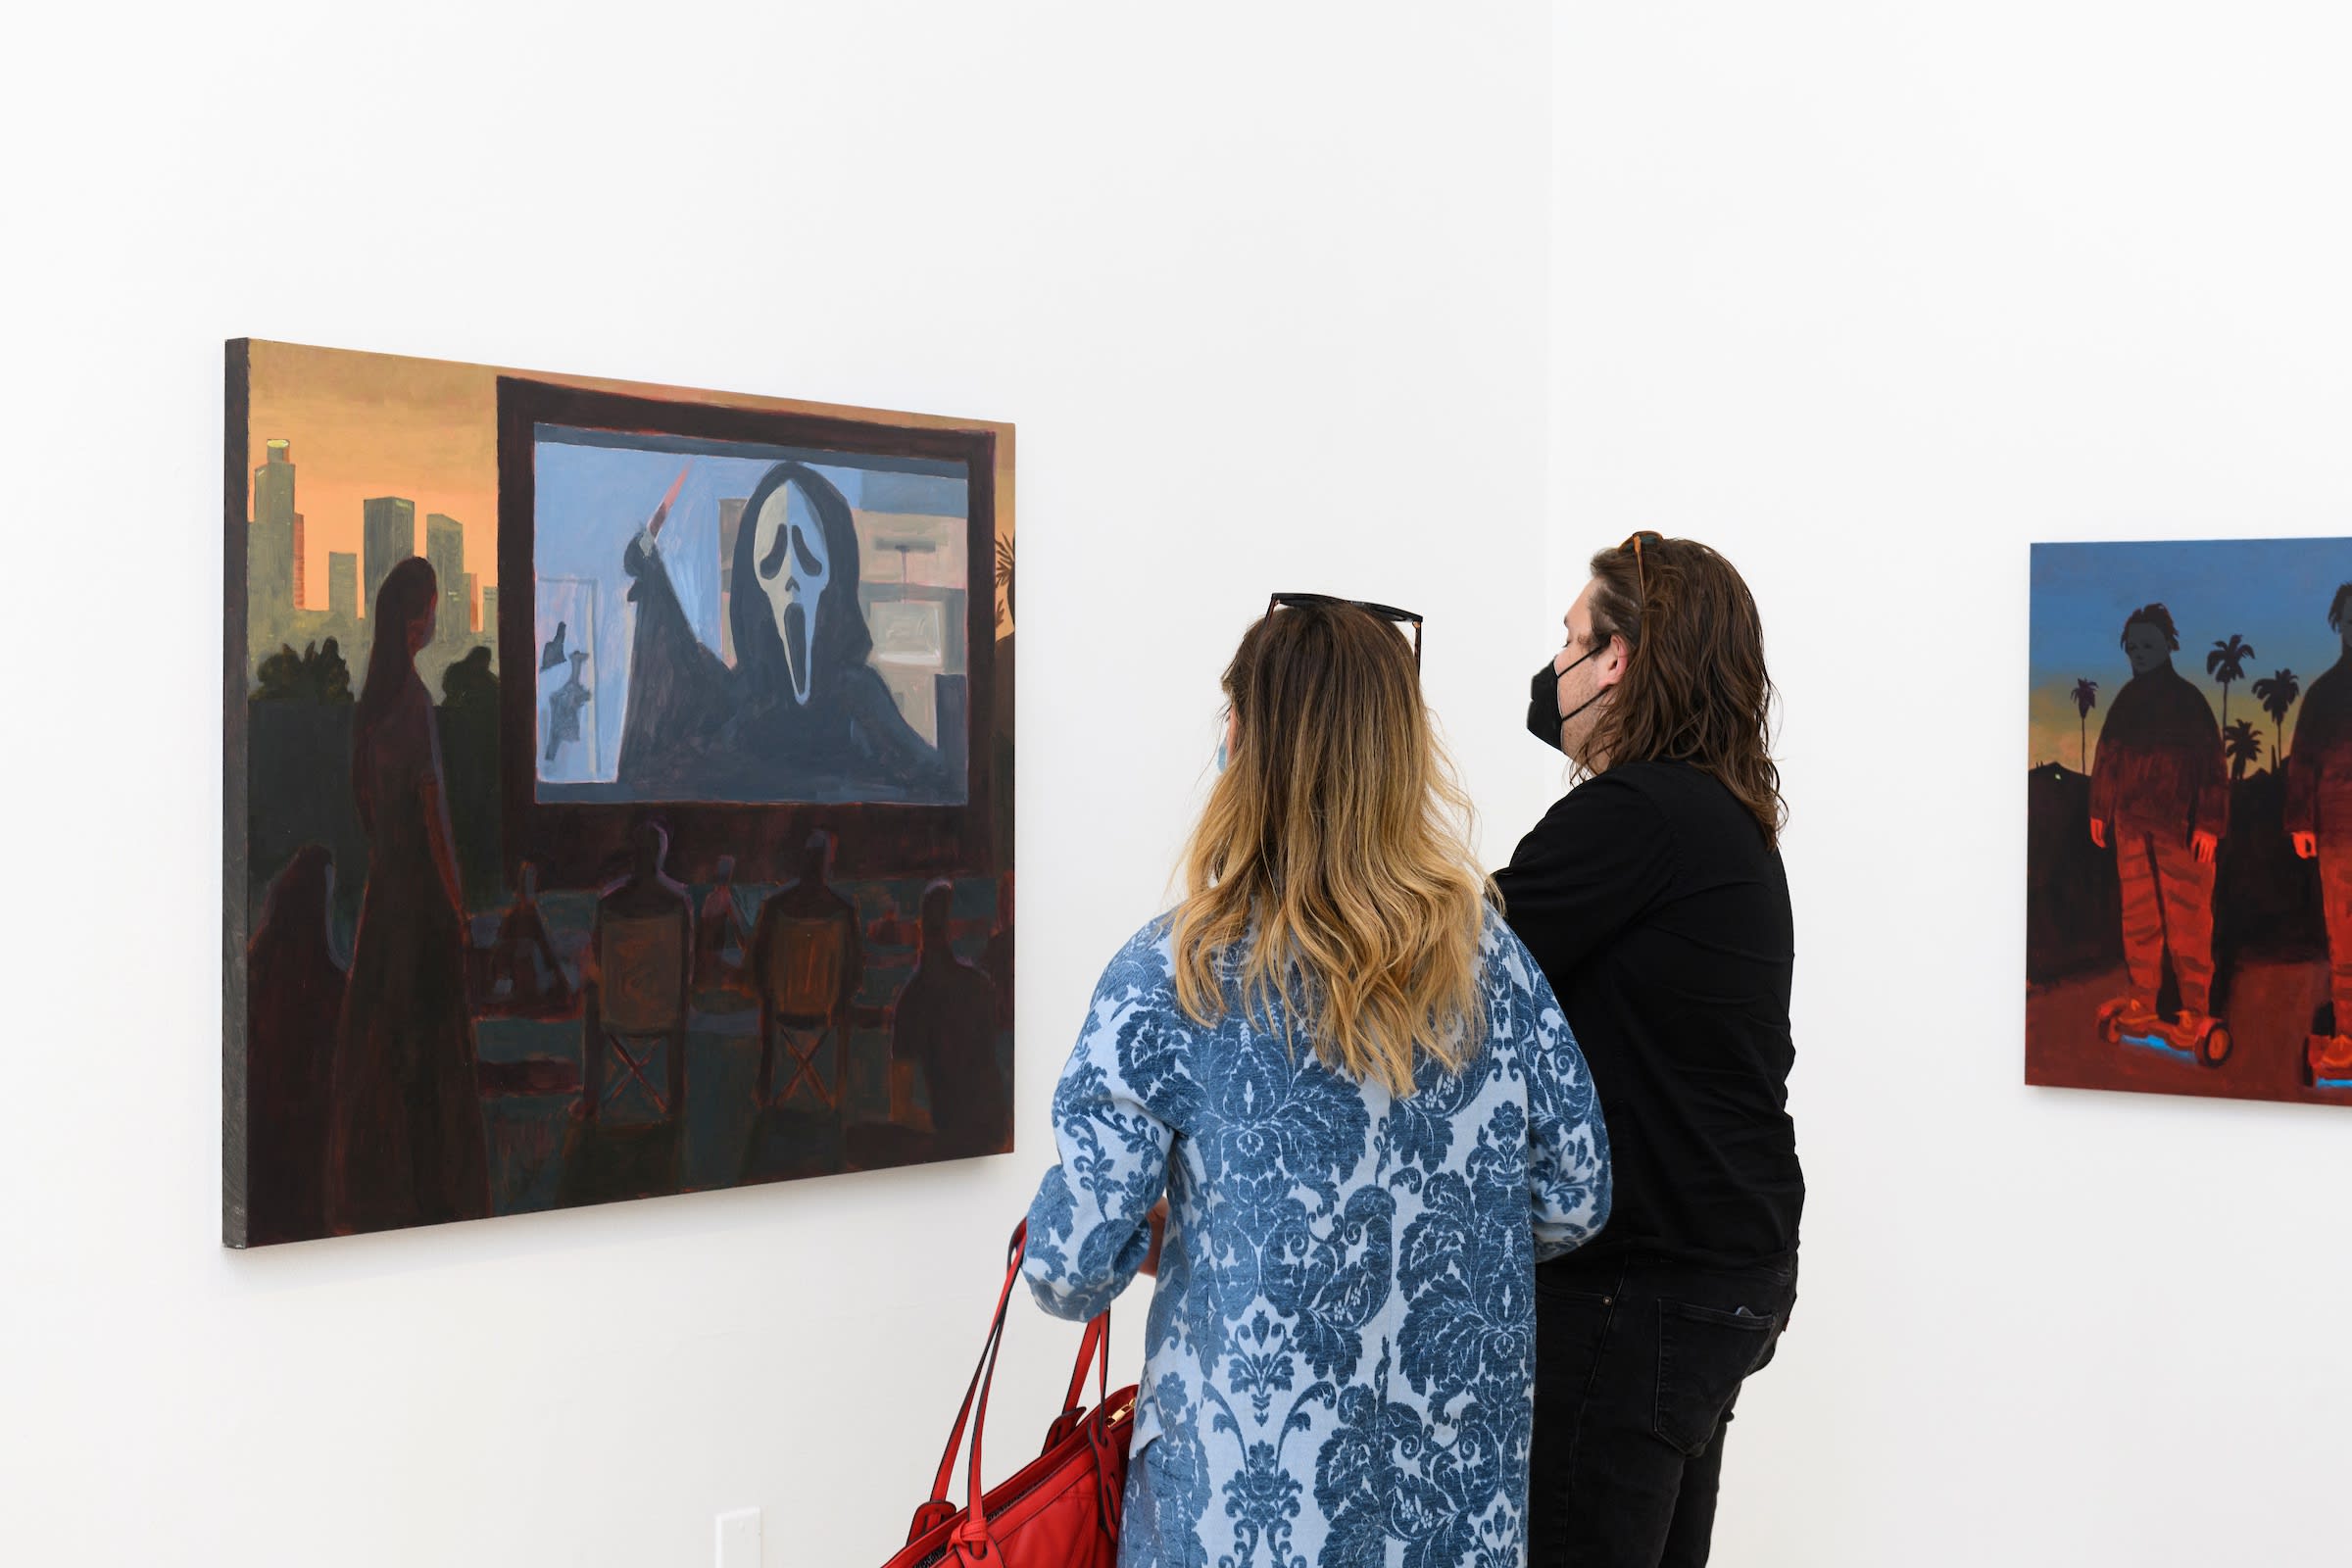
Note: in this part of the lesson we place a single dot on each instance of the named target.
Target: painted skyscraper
(390, 538)
(445, 551)
(271, 567)
(343, 584)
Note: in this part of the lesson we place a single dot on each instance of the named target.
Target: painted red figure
(2160, 795)
(2319, 818)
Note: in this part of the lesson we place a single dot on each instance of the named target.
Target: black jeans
(1638, 1364)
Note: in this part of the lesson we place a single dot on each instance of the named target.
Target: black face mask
(1544, 717)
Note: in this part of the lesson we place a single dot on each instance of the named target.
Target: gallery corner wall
(1264, 296)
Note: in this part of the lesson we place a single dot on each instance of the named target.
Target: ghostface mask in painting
(795, 565)
(802, 712)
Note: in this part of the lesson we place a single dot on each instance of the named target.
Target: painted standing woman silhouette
(406, 1145)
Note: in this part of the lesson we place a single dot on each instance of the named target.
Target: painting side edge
(236, 397)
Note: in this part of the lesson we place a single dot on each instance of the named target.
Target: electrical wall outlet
(739, 1539)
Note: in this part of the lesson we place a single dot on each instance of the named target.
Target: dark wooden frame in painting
(576, 844)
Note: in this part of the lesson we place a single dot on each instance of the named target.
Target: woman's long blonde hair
(1338, 833)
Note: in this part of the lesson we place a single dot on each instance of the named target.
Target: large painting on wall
(617, 791)
(2189, 839)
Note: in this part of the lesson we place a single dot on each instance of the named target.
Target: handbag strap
(977, 1545)
(987, 1355)
(1095, 1348)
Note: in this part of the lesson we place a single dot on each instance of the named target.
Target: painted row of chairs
(803, 966)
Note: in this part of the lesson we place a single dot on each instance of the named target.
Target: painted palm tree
(2277, 693)
(2226, 664)
(2241, 743)
(1004, 572)
(2086, 697)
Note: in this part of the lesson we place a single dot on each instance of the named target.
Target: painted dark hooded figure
(801, 714)
(294, 996)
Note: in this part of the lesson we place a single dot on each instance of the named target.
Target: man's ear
(1621, 654)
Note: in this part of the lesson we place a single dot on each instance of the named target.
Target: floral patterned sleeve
(1088, 1234)
(1568, 1143)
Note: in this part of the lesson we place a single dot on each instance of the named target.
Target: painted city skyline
(293, 607)
(337, 438)
(361, 428)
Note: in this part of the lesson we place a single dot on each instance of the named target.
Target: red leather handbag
(1062, 1510)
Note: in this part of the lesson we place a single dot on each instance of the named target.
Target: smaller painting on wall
(2189, 901)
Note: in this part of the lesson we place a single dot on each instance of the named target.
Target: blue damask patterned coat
(1340, 1357)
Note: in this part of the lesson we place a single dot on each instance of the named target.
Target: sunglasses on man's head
(1388, 613)
(1634, 542)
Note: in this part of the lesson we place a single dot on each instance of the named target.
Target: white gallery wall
(1870, 296)
(1417, 303)
(1264, 289)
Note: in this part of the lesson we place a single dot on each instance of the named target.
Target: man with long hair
(1369, 1119)
(1654, 897)
(2319, 818)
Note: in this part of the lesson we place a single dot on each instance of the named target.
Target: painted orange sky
(376, 425)
(380, 424)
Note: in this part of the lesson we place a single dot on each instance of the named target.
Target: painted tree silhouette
(317, 675)
(2226, 664)
(2277, 693)
(2241, 743)
(2086, 697)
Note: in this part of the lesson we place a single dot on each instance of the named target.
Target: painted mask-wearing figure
(2160, 796)
(802, 714)
(2319, 818)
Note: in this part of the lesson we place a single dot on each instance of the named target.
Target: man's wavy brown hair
(1695, 689)
(1335, 848)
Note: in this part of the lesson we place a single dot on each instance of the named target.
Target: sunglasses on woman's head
(1387, 612)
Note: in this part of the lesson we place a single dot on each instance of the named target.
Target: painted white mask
(795, 565)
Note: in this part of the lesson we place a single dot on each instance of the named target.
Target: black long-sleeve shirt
(1661, 916)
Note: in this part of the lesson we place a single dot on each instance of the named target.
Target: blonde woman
(1368, 1119)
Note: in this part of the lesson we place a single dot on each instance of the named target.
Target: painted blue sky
(2274, 593)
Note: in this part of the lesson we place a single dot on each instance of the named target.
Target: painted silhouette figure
(525, 974)
(807, 961)
(552, 655)
(2159, 794)
(294, 996)
(801, 707)
(945, 1027)
(405, 1144)
(2319, 818)
(563, 706)
(641, 960)
(722, 937)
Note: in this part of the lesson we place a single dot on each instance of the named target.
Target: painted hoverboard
(2318, 1072)
(2189, 1035)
